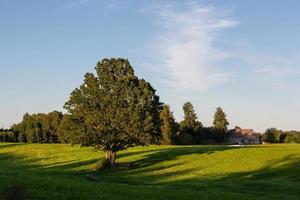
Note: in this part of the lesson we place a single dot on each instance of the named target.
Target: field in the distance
(54, 171)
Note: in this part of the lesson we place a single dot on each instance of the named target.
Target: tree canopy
(220, 120)
(39, 128)
(168, 125)
(190, 126)
(115, 109)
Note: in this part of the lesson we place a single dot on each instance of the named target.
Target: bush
(100, 165)
(271, 135)
(292, 138)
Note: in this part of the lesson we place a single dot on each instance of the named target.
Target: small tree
(115, 109)
(220, 125)
(168, 125)
(220, 120)
(190, 124)
(271, 135)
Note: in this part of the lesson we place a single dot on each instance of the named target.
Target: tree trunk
(111, 157)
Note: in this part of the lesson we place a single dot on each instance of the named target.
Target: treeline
(8, 135)
(38, 128)
(190, 130)
(273, 135)
(56, 127)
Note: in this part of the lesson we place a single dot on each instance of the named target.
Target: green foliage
(220, 124)
(39, 128)
(292, 137)
(212, 135)
(190, 125)
(69, 130)
(168, 126)
(271, 135)
(220, 120)
(8, 136)
(184, 138)
(190, 122)
(115, 108)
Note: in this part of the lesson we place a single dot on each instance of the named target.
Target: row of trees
(273, 135)
(8, 135)
(38, 128)
(56, 127)
(190, 130)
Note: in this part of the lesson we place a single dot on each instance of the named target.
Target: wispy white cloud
(73, 3)
(274, 71)
(275, 67)
(186, 45)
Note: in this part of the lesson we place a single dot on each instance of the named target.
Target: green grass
(54, 171)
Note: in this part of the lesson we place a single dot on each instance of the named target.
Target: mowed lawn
(56, 171)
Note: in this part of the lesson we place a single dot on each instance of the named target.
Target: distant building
(243, 136)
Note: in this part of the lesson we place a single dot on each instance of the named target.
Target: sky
(243, 56)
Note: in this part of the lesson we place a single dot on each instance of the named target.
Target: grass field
(55, 171)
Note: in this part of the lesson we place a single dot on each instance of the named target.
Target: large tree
(168, 126)
(115, 109)
(220, 120)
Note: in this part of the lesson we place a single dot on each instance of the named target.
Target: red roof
(244, 132)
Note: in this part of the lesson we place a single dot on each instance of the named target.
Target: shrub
(271, 135)
(292, 138)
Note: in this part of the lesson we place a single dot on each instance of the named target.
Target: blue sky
(241, 55)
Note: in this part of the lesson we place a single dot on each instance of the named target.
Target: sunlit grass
(154, 172)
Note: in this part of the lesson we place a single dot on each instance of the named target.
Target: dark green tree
(292, 137)
(168, 126)
(69, 130)
(115, 109)
(190, 126)
(220, 120)
(54, 120)
(220, 124)
(38, 128)
(271, 135)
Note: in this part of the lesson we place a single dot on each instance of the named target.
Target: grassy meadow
(56, 171)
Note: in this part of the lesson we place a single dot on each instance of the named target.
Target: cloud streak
(73, 3)
(186, 46)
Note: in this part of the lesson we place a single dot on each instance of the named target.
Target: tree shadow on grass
(12, 163)
(277, 179)
(5, 145)
(150, 161)
(15, 162)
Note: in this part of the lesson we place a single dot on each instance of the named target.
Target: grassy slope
(157, 172)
